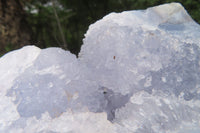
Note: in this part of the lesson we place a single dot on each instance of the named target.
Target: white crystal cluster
(137, 71)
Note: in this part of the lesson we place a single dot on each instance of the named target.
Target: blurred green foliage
(76, 15)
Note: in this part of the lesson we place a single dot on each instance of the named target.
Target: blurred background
(63, 23)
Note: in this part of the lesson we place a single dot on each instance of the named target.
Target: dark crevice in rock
(114, 101)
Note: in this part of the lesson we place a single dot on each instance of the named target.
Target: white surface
(137, 71)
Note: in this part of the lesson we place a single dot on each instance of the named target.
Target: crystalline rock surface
(137, 72)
